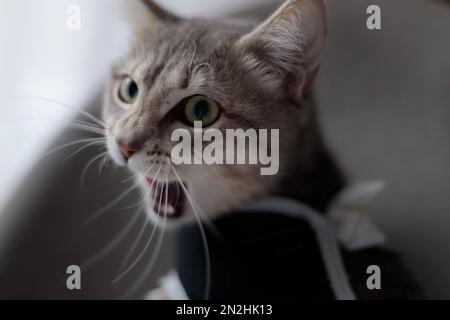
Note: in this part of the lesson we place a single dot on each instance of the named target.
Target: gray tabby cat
(240, 76)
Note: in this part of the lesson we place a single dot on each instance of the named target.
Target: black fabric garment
(253, 256)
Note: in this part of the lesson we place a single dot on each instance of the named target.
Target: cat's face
(229, 76)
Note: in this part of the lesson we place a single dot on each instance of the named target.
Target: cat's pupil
(132, 89)
(201, 109)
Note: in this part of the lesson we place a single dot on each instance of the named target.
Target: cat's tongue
(168, 199)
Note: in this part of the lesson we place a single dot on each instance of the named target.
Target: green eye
(128, 90)
(201, 108)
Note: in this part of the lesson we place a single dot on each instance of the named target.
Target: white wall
(41, 57)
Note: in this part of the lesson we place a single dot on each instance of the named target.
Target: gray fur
(234, 64)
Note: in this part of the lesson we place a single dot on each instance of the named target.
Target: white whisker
(89, 164)
(154, 257)
(103, 210)
(140, 201)
(81, 149)
(114, 243)
(133, 247)
(74, 124)
(104, 163)
(203, 234)
(146, 246)
(146, 172)
(205, 217)
(98, 140)
(52, 101)
(49, 116)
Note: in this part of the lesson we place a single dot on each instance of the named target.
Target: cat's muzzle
(168, 199)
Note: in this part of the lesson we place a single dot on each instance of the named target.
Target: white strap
(172, 288)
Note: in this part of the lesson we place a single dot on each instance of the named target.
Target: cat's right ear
(151, 14)
(288, 45)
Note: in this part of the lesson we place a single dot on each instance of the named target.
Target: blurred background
(384, 99)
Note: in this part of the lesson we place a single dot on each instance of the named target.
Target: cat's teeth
(164, 209)
(168, 210)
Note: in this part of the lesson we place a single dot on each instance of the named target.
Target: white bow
(349, 218)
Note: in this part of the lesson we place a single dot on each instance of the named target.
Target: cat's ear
(160, 14)
(289, 44)
(148, 13)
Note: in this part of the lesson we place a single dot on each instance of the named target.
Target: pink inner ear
(294, 38)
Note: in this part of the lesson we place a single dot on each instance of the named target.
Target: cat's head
(227, 75)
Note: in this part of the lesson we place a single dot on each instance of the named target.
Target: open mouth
(168, 199)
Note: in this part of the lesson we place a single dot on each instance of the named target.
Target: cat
(228, 75)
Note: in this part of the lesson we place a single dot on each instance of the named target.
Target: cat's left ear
(159, 13)
(148, 13)
(289, 44)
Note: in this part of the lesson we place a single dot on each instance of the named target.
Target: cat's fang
(168, 210)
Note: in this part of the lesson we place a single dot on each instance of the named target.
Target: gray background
(384, 103)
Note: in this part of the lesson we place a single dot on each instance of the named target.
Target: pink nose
(126, 150)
